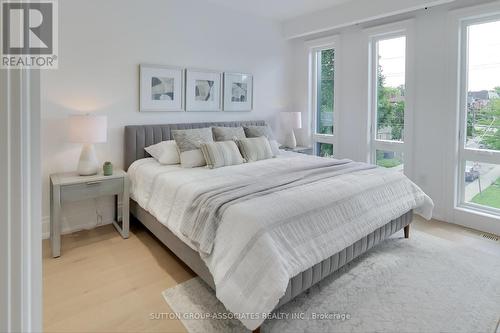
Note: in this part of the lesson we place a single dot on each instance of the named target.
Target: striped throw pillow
(255, 149)
(256, 131)
(219, 154)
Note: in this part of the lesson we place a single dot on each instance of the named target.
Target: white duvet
(251, 265)
(165, 191)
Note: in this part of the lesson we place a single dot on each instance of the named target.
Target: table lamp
(291, 121)
(88, 130)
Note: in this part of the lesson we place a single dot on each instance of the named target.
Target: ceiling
(280, 10)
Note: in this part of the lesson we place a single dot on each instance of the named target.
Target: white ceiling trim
(351, 13)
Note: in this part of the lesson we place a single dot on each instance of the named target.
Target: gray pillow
(228, 133)
(255, 149)
(256, 131)
(219, 154)
(189, 142)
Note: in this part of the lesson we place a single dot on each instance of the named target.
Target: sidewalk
(487, 179)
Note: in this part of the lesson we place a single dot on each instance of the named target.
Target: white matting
(421, 284)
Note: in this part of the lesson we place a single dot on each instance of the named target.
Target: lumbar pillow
(164, 152)
(257, 131)
(219, 154)
(190, 140)
(228, 133)
(255, 149)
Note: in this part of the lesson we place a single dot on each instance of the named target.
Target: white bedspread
(252, 265)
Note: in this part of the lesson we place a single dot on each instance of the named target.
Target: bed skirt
(299, 283)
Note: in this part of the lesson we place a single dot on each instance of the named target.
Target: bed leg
(257, 330)
(407, 231)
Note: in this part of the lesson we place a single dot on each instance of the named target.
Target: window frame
(315, 46)
(470, 154)
(405, 147)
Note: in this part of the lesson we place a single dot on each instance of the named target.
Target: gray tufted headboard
(137, 137)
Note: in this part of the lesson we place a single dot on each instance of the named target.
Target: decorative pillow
(164, 152)
(228, 133)
(257, 131)
(219, 154)
(255, 149)
(192, 159)
(190, 140)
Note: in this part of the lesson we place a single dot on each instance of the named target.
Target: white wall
(101, 44)
(435, 108)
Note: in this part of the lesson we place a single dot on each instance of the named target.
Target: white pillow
(164, 152)
(192, 159)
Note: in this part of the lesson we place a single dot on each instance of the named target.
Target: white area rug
(421, 284)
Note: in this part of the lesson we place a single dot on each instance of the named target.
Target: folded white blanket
(261, 241)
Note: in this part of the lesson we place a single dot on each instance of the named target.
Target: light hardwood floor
(103, 283)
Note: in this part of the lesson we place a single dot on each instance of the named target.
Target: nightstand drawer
(91, 189)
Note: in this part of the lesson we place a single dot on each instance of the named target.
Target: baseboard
(439, 217)
(46, 227)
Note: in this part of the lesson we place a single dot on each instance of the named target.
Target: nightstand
(300, 150)
(67, 187)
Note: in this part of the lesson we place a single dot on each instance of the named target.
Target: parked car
(471, 175)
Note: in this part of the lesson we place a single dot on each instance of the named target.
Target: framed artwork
(203, 90)
(161, 88)
(238, 92)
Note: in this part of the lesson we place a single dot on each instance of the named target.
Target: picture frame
(238, 92)
(161, 88)
(203, 90)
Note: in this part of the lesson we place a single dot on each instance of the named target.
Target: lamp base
(88, 165)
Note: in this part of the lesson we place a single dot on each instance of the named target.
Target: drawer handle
(93, 183)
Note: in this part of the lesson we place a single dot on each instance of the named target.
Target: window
(324, 82)
(483, 83)
(389, 104)
(323, 60)
(390, 160)
(324, 149)
(479, 148)
(482, 184)
(390, 88)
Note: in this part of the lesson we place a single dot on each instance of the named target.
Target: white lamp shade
(291, 120)
(88, 129)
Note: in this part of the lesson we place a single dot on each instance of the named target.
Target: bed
(264, 258)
